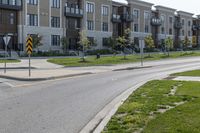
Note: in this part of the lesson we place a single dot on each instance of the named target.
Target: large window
(105, 10)
(170, 20)
(90, 25)
(146, 28)
(136, 28)
(136, 14)
(55, 40)
(55, 22)
(104, 26)
(90, 8)
(12, 18)
(32, 2)
(105, 42)
(32, 20)
(55, 3)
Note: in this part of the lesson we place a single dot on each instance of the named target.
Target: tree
(186, 42)
(149, 43)
(65, 44)
(169, 44)
(122, 42)
(36, 41)
(84, 43)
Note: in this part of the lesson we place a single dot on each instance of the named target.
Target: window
(189, 33)
(55, 40)
(1, 16)
(146, 15)
(105, 11)
(12, 18)
(170, 31)
(170, 20)
(189, 23)
(90, 25)
(162, 30)
(104, 26)
(55, 22)
(105, 42)
(136, 14)
(55, 3)
(32, 2)
(183, 22)
(146, 29)
(163, 19)
(136, 28)
(183, 33)
(32, 20)
(90, 8)
(92, 41)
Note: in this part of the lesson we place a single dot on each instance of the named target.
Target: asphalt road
(67, 105)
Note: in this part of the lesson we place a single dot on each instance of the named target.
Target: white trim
(138, 22)
(38, 13)
(149, 23)
(61, 7)
(49, 13)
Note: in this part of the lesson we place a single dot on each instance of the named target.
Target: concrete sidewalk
(187, 78)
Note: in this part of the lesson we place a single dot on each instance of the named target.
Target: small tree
(169, 44)
(121, 40)
(84, 43)
(36, 41)
(149, 43)
(186, 42)
(64, 43)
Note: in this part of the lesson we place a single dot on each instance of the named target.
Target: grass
(9, 61)
(92, 61)
(188, 73)
(161, 106)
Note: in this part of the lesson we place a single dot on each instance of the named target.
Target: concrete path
(187, 78)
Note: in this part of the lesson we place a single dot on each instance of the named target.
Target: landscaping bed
(111, 60)
(160, 106)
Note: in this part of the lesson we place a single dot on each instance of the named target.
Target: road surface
(67, 105)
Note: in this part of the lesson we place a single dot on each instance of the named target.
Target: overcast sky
(192, 6)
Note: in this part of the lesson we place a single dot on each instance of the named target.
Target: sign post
(29, 50)
(142, 51)
(6, 41)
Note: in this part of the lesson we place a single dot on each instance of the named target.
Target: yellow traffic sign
(29, 45)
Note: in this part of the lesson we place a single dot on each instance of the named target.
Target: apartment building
(141, 26)
(97, 22)
(196, 31)
(166, 27)
(9, 11)
(100, 19)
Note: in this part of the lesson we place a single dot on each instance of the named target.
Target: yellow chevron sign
(29, 45)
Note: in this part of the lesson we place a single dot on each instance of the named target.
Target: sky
(192, 6)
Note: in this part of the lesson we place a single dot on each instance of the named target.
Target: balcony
(127, 17)
(178, 25)
(156, 21)
(196, 27)
(116, 18)
(73, 12)
(11, 4)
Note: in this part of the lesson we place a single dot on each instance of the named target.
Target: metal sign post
(142, 51)
(6, 41)
(29, 50)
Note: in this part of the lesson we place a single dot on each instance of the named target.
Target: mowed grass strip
(111, 60)
(188, 73)
(161, 106)
(9, 61)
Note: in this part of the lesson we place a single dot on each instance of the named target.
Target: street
(67, 105)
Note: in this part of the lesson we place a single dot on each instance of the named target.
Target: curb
(43, 79)
(131, 68)
(97, 124)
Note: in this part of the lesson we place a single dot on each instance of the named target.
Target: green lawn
(9, 61)
(92, 61)
(163, 106)
(188, 73)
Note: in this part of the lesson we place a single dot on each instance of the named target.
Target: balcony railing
(156, 21)
(127, 17)
(116, 18)
(196, 27)
(73, 12)
(178, 25)
(11, 4)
